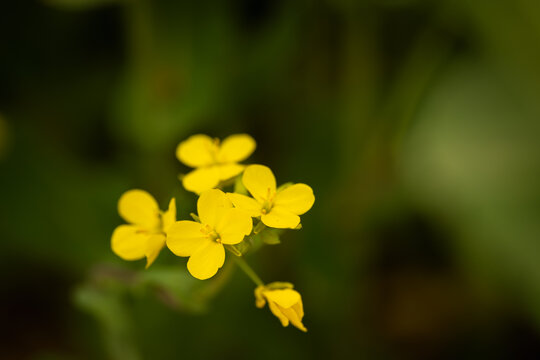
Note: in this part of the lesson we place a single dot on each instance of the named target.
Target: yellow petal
(139, 208)
(260, 182)
(288, 303)
(233, 226)
(185, 237)
(246, 203)
(283, 297)
(293, 318)
(299, 309)
(259, 297)
(277, 312)
(211, 205)
(154, 245)
(297, 198)
(197, 151)
(201, 179)
(129, 242)
(228, 171)
(280, 218)
(206, 261)
(236, 148)
(169, 217)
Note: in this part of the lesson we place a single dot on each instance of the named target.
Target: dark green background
(416, 122)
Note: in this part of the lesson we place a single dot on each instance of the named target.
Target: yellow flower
(284, 303)
(203, 242)
(213, 162)
(145, 236)
(277, 208)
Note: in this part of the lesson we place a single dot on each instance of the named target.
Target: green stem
(248, 270)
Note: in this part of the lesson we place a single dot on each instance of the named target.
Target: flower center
(268, 202)
(211, 234)
(266, 207)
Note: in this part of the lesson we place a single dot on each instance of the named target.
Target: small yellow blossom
(145, 236)
(203, 242)
(284, 302)
(278, 208)
(213, 162)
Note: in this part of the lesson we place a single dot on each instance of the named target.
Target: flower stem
(248, 270)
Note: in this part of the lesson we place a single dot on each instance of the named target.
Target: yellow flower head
(145, 236)
(203, 242)
(213, 162)
(277, 208)
(284, 302)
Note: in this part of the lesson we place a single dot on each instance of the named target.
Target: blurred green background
(416, 122)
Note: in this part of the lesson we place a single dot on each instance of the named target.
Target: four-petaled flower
(213, 162)
(203, 242)
(284, 303)
(277, 208)
(145, 236)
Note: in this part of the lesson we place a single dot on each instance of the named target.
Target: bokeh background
(416, 122)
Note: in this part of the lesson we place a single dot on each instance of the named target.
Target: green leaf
(174, 286)
(106, 305)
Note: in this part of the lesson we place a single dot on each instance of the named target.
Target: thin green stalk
(248, 270)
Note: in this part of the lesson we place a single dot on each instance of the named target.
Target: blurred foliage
(4, 137)
(415, 121)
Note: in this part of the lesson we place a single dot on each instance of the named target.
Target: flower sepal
(259, 227)
(270, 236)
(279, 285)
(233, 250)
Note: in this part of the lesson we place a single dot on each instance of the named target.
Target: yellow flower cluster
(224, 221)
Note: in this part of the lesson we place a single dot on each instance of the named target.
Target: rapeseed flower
(277, 208)
(213, 162)
(220, 224)
(284, 302)
(145, 235)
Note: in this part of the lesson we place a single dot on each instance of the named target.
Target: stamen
(211, 234)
